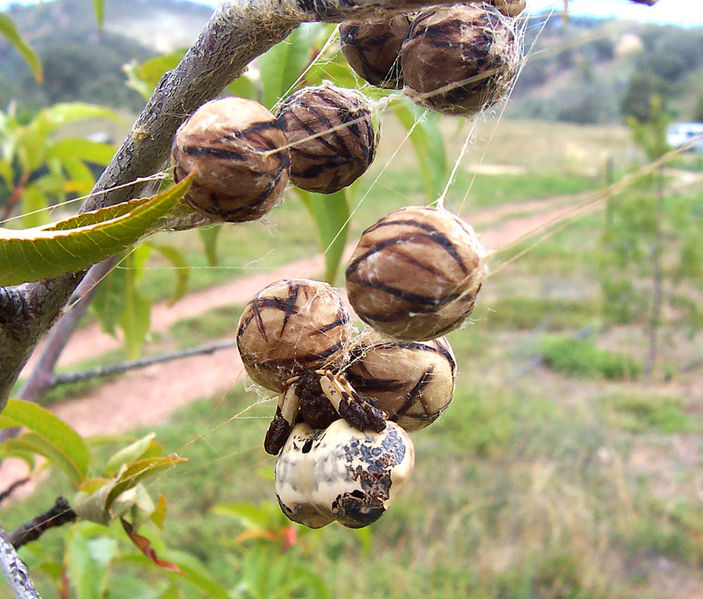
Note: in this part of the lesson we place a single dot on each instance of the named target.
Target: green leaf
(331, 216)
(32, 254)
(336, 69)
(248, 515)
(80, 178)
(51, 434)
(209, 236)
(282, 64)
(99, 6)
(138, 471)
(159, 514)
(144, 77)
(110, 300)
(86, 561)
(133, 451)
(136, 315)
(196, 574)
(243, 87)
(9, 31)
(70, 112)
(34, 203)
(83, 149)
(180, 269)
(427, 141)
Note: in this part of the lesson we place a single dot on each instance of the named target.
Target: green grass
(507, 501)
(214, 324)
(642, 412)
(582, 358)
(525, 313)
(484, 191)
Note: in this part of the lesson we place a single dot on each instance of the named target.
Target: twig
(100, 371)
(59, 514)
(13, 487)
(15, 196)
(15, 571)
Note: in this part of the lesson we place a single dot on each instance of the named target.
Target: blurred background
(568, 465)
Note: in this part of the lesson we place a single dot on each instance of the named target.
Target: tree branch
(15, 571)
(58, 515)
(13, 487)
(99, 371)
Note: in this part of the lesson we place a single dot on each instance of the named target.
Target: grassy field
(558, 472)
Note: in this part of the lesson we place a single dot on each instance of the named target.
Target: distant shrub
(641, 412)
(553, 314)
(576, 357)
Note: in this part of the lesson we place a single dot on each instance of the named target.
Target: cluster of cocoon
(458, 59)
(322, 139)
(346, 402)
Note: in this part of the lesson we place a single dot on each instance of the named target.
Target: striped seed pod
(460, 59)
(415, 274)
(510, 8)
(228, 141)
(412, 381)
(290, 327)
(372, 49)
(340, 473)
(331, 135)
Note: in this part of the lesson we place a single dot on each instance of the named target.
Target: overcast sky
(681, 12)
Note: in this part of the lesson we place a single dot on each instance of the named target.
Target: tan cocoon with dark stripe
(510, 8)
(414, 275)
(460, 59)
(290, 327)
(228, 141)
(372, 49)
(412, 381)
(331, 135)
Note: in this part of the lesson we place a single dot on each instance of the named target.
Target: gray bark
(15, 571)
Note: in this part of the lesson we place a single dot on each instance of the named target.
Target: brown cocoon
(372, 49)
(510, 8)
(413, 382)
(415, 274)
(228, 141)
(331, 135)
(289, 327)
(459, 59)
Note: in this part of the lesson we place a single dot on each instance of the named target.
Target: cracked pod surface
(460, 59)
(415, 274)
(342, 474)
(412, 381)
(290, 327)
(229, 142)
(331, 134)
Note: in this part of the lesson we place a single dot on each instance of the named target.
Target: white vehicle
(678, 134)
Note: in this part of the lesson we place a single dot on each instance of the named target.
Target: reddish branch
(15, 196)
(13, 487)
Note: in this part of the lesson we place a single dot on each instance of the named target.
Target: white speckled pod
(342, 474)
